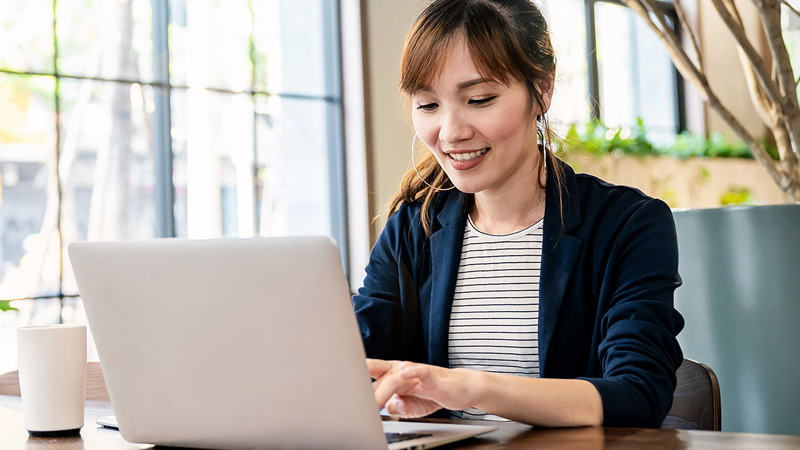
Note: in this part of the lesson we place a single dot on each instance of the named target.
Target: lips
(467, 156)
(465, 160)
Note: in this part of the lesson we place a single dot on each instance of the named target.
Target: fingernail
(400, 406)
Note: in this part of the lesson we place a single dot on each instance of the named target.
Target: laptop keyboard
(399, 437)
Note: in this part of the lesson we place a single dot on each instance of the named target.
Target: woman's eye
(427, 106)
(482, 101)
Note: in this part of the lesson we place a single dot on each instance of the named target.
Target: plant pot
(741, 301)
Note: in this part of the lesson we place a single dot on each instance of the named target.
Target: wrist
(478, 387)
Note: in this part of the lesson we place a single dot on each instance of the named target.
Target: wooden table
(510, 436)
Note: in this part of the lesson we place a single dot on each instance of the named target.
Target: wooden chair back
(696, 404)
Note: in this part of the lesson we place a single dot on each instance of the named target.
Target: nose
(454, 128)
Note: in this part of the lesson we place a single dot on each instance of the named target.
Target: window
(156, 118)
(619, 61)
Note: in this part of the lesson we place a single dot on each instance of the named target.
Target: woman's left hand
(410, 390)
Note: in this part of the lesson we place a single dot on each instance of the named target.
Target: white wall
(389, 130)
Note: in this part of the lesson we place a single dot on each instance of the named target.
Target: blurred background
(136, 119)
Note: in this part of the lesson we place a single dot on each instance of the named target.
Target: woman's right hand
(410, 390)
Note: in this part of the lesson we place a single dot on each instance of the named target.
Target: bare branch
(691, 72)
(755, 60)
(764, 106)
(690, 31)
(771, 22)
(792, 8)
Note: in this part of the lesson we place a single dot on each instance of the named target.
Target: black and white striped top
(495, 315)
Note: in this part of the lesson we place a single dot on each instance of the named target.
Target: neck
(510, 211)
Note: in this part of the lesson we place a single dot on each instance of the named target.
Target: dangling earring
(541, 129)
(413, 163)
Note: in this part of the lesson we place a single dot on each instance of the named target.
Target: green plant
(768, 72)
(598, 139)
(5, 305)
(736, 196)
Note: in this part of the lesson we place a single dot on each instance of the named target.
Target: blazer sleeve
(386, 305)
(639, 352)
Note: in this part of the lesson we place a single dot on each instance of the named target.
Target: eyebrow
(470, 83)
(464, 84)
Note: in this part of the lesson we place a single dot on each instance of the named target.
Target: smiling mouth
(467, 156)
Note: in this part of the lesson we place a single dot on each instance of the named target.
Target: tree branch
(771, 22)
(792, 8)
(690, 72)
(765, 108)
(755, 60)
(690, 31)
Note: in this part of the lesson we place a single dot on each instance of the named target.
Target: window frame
(592, 75)
(164, 189)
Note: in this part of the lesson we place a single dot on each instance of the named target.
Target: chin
(467, 188)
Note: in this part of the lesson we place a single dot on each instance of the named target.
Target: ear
(544, 86)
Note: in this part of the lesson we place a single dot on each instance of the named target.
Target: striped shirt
(495, 315)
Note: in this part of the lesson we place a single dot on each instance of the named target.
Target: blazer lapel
(559, 253)
(446, 244)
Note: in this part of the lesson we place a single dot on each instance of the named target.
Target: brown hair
(506, 38)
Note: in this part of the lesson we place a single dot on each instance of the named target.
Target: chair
(696, 403)
(95, 383)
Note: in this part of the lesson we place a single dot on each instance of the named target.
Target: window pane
(73, 313)
(107, 164)
(105, 39)
(568, 30)
(26, 45)
(637, 78)
(28, 196)
(209, 43)
(44, 311)
(213, 163)
(294, 151)
(295, 47)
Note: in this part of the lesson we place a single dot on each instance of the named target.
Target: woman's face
(482, 132)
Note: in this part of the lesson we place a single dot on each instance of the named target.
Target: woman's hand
(410, 390)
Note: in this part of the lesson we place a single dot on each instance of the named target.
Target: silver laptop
(236, 343)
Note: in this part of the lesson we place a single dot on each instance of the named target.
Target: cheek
(505, 127)
(426, 129)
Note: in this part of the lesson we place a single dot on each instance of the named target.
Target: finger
(390, 384)
(378, 367)
(409, 406)
(395, 406)
(420, 371)
(426, 381)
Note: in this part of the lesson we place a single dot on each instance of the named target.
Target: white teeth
(467, 156)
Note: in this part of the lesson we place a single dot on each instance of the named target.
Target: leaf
(5, 305)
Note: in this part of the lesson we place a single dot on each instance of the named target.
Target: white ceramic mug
(52, 378)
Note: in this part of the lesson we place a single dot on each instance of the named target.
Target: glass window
(136, 119)
(570, 102)
(103, 39)
(210, 44)
(213, 163)
(294, 158)
(26, 46)
(106, 164)
(636, 77)
(28, 192)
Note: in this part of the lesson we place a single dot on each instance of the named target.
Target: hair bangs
(426, 50)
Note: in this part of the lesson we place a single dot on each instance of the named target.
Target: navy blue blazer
(606, 315)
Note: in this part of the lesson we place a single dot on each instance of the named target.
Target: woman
(505, 285)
